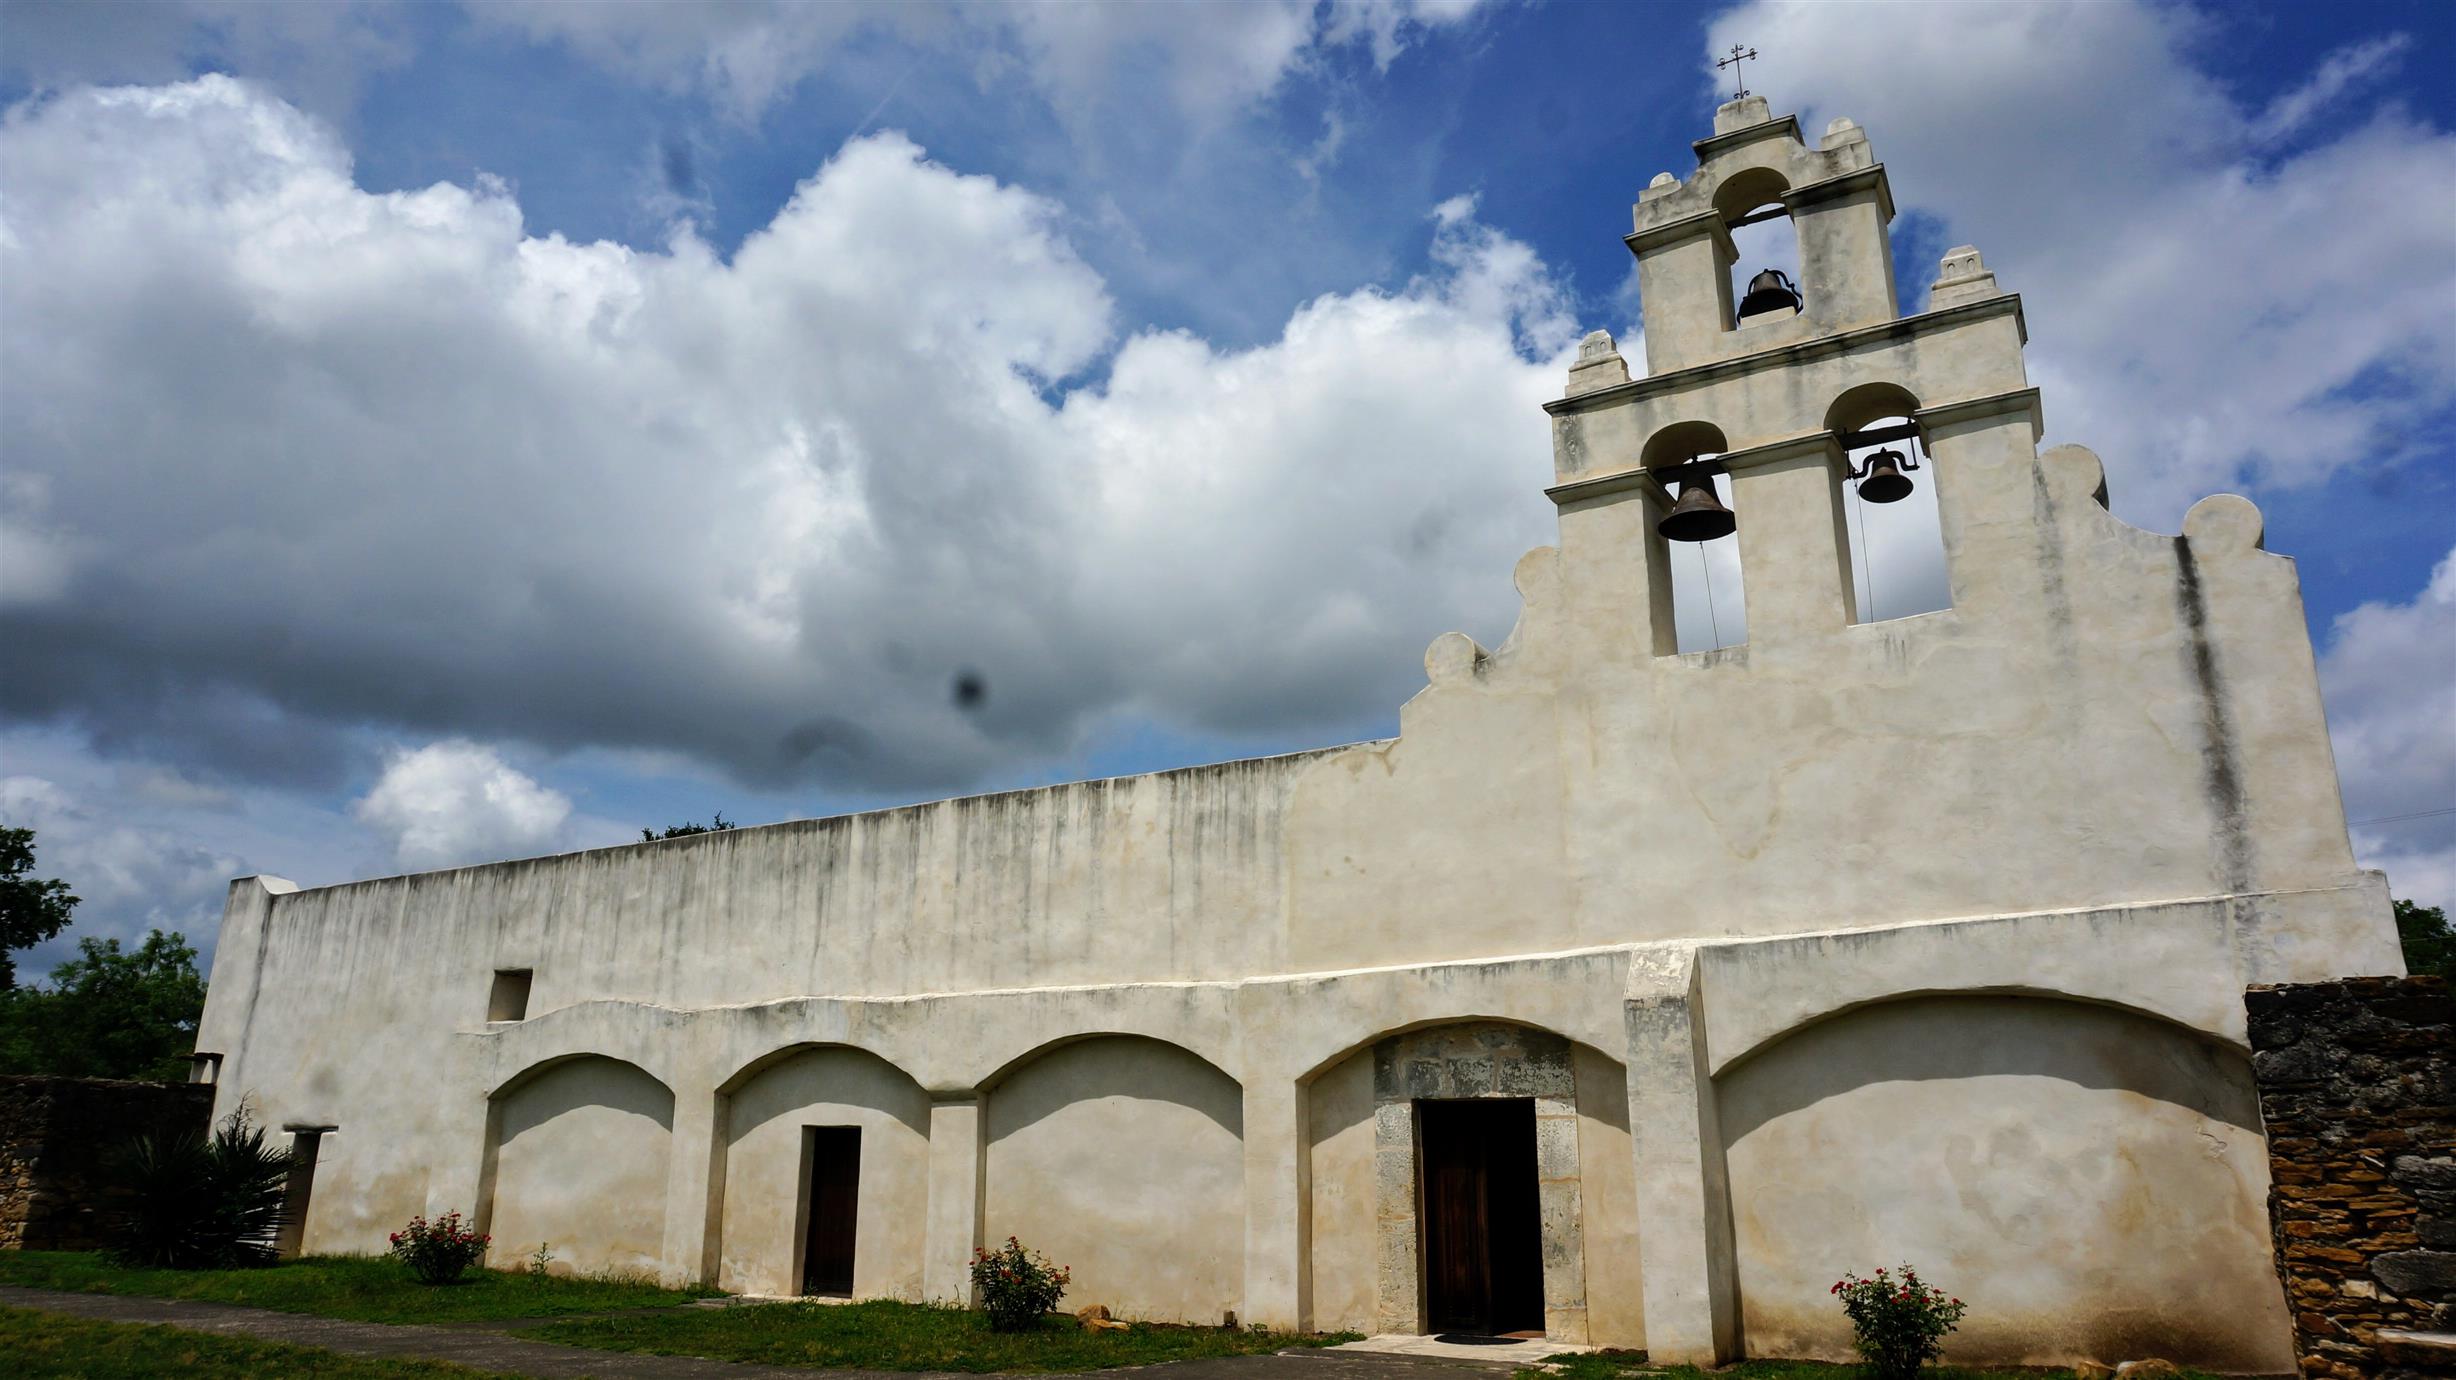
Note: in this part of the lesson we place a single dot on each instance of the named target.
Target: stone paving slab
(487, 1348)
(1506, 1353)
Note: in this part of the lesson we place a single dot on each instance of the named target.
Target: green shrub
(1017, 1286)
(1898, 1324)
(440, 1251)
(199, 1202)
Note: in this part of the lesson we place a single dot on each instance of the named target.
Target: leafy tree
(687, 828)
(31, 909)
(2430, 946)
(108, 1013)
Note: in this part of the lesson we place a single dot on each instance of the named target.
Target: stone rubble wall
(58, 1137)
(2357, 1083)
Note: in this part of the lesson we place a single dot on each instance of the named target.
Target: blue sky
(474, 430)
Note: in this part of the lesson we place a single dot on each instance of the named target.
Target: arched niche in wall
(1897, 548)
(1709, 591)
(1123, 1158)
(770, 1110)
(1363, 1174)
(577, 1157)
(2079, 1173)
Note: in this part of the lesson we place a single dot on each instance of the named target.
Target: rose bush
(438, 1252)
(1898, 1324)
(1017, 1285)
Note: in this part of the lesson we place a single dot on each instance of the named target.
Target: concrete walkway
(485, 1347)
(1510, 1352)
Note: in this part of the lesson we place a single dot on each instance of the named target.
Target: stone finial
(1453, 656)
(1962, 277)
(1740, 114)
(1664, 184)
(2224, 522)
(1843, 130)
(1598, 365)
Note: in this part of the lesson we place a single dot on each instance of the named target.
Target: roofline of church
(839, 820)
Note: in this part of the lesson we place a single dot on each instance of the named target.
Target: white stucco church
(1628, 996)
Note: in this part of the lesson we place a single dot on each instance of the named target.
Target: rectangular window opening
(510, 999)
(204, 1068)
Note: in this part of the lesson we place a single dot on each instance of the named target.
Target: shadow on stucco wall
(2089, 1180)
(766, 1174)
(1123, 1158)
(578, 1160)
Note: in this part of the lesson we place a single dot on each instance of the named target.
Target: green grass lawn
(903, 1336)
(361, 1288)
(46, 1346)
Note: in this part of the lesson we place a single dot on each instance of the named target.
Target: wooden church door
(1483, 1251)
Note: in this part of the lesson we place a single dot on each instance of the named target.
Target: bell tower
(1756, 168)
(1771, 387)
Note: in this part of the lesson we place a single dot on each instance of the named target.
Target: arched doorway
(1518, 1124)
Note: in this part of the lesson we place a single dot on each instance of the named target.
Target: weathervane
(1738, 56)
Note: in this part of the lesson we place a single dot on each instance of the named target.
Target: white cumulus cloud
(400, 463)
(459, 802)
(2390, 677)
(2206, 307)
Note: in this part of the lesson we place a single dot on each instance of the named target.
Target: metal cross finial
(1738, 56)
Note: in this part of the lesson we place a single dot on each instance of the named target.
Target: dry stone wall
(57, 1139)
(2357, 1084)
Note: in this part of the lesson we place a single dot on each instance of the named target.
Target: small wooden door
(831, 1211)
(1483, 1251)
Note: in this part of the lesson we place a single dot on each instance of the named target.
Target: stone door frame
(1475, 1060)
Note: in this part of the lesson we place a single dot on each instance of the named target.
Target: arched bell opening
(1765, 260)
(1889, 505)
(1700, 532)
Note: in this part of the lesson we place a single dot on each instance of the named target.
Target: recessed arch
(1123, 1158)
(1977, 1134)
(622, 1030)
(1002, 1072)
(1681, 442)
(753, 1067)
(1357, 1044)
(1363, 1171)
(1805, 1024)
(578, 1148)
(1864, 403)
(771, 1111)
(1749, 189)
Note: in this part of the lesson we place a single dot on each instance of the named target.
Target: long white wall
(1122, 1019)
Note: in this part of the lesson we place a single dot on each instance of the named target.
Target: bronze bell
(1883, 480)
(1771, 290)
(1698, 515)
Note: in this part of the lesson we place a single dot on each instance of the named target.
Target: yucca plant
(202, 1202)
